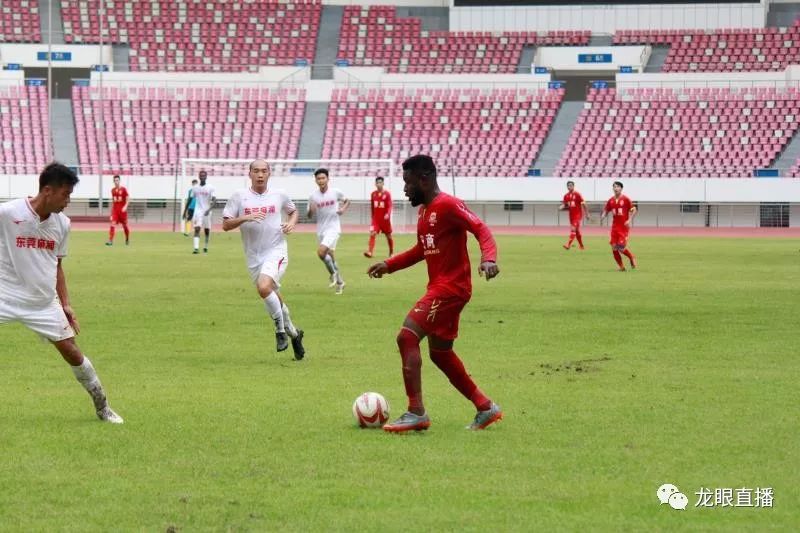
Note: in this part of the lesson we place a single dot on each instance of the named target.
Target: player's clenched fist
(488, 269)
(378, 270)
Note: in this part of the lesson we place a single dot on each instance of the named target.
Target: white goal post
(354, 177)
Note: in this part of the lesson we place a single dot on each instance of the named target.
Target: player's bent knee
(407, 338)
(69, 351)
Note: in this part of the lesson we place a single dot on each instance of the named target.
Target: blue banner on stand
(766, 173)
(555, 85)
(594, 58)
(626, 70)
(342, 63)
(80, 83)
(35, 82)
(600, 85)
(301, 62)
(55, 56)
(535, 172)
(100, 68)
(12, 66)
(540, 70)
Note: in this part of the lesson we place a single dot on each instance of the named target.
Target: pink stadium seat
(213, 35)
(470, 132)
(19, 21)
(374, 36)
(725, 50)
(25, 144)
(150, 129)
(697, 132)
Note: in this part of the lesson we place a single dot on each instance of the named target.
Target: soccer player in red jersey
(573, 202)
(119, 212)
(442, 229)
(623, 210)
(381, 207)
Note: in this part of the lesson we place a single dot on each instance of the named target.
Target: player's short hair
(379, 178)
(194, 181)
(621, 186)
(115, 176)
(57, 175)
(253, 162)
(421, 165)
(570, 182)
(322, 171)
(203, 173)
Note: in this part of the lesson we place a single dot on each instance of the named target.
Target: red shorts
(381, 226)
(119, 216)
(575, 221)
(619, 236)
(438, 315)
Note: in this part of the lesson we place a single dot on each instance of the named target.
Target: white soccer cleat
(340, 287)
(106, 414)
(332, 284)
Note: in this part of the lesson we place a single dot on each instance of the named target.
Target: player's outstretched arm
(63, 297)
(410, 257)
(378, 270)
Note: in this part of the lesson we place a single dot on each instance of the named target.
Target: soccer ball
(371, 410)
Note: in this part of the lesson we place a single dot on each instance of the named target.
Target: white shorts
(201, 221)
(274, 266)
(50, 321)
(328, 239)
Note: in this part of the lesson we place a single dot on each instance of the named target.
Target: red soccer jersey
(620, 208)
(442, 242)
(118, 197)
(381, 203)
(574, 201)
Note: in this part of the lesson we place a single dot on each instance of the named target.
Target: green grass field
(684, 371)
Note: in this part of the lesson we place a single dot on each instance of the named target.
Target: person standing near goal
(119, 212)
(33, 287)
(381, 209)
(204, 202)
(442, 229)
(623, 211)
(328, 204)
(258, 213)
(188, 210)
(573, 202)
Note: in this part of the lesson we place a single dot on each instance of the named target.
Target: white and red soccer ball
(371, 410)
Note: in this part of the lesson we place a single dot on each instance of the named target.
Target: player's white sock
(339, 278)
(329, 264)
(287, 321)
(208, 235)
(273, 305)
(86, 376)
(196, 242)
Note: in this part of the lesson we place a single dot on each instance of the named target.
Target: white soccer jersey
(260, 237)
(327, 205)
(29, 252)
(203, 195)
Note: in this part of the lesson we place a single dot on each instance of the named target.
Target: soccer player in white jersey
(328, 204)
(204, 201)
(33, 288)
(258, 213)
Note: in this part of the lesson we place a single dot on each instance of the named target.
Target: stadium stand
(24, 133)
(190, 36)
(19, 21)
(149, 129)
(373, 35)
(680, 133)
(473, 132)
(729, 50)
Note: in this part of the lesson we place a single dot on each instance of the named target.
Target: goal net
(354, 177)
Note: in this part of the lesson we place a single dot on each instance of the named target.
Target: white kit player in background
(33, 288)
(325, 204)
(204, 201)
(258, 213)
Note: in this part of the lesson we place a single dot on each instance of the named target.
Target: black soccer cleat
(297, 345)
(281, 341)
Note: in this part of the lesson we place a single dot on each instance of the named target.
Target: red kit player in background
(573, 202)
(381, 207)
(623, 210)
(442, 243)
(119, 212)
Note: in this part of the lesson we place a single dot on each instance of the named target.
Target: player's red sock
(127, 231)
(618, 259)
(408, 342)
(449, 363)
(627, 253)
(391, 244)
(579, 236)
(571, 238)
(111, 231)
(371, 243)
